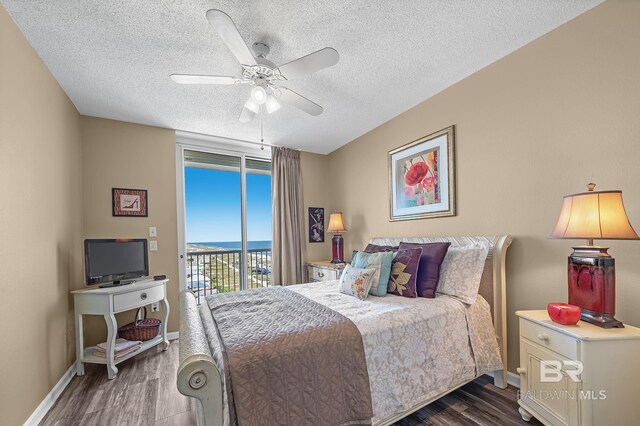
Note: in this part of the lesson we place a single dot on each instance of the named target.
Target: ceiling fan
(262, 74)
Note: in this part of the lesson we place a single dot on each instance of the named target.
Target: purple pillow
(372, 248)
(404, 272)
(429, 269)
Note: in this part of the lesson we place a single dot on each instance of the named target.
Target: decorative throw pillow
(461, 272)
(356, 282)
(381, 262)
(373, 248)
(429, 269)
(404, 272)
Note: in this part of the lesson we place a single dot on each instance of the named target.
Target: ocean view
(214, 266)
(233, 245)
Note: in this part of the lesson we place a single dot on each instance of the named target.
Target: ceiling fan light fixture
(259, 94)
(252, 105)
(272, 104)
(263, 75)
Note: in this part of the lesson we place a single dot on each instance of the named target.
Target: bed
(416, 350)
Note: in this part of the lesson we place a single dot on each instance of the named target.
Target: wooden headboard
(492, 284)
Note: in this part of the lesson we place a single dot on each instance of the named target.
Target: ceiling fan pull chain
(261, 133)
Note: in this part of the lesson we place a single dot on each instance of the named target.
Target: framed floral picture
(422, 177)
(129, 202)
(316, 225)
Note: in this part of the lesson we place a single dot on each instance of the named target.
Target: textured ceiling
(113, 58)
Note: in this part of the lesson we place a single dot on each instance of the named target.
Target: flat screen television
(115, 262)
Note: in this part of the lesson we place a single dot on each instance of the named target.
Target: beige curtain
(288, 217)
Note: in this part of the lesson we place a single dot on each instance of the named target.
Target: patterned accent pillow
(404, 272)
(461, 272)
(429, 269)
(373, 248)
(356, 282)
(381, 262)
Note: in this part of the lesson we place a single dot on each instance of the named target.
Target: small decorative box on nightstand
(578, 374)
(323, 271)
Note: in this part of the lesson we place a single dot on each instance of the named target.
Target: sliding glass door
(258, 200)
(227, 222)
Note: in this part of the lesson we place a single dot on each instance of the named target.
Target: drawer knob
(321, 274)
(521, 371)
(543, 337)
(143, 296)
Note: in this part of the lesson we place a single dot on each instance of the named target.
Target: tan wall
(124, 155)
(40, 226)
(316, 193)
(532, 127)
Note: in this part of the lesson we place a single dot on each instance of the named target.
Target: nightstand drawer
(124, 301)
(322, 274)
(558, 342)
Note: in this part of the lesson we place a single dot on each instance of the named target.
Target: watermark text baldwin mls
(564, 395)
(554, 371)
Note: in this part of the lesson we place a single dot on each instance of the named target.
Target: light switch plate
(153, 232)
(153, 245)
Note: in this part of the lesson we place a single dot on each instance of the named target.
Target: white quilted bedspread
(415, 348)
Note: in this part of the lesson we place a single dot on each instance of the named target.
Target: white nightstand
(605, 392)
(323, 271)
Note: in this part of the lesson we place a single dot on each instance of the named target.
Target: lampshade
(252, 105)
(272, 104)
(259, 94)
(336, 223)
(594, 215)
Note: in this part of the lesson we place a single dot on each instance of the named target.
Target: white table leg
(79, 346)
(163, 326)
(112, 328)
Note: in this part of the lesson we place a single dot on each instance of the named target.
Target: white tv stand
(109, 301)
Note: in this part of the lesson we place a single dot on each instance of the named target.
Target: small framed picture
(316, 225)
(422, 177)
(129, 202)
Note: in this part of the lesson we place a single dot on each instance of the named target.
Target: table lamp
(336, 225)
(592, 280)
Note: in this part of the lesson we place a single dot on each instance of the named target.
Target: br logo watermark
(551, 371)
(554, 371)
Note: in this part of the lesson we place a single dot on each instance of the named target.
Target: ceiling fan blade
(246, 115)
(311, 63)
(203, 79)
(228, 32)
(299, 101)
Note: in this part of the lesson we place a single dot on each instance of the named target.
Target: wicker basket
(141, 328)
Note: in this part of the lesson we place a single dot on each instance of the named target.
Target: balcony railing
(218, 271)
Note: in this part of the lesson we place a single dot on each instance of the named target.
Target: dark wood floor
(145, 393)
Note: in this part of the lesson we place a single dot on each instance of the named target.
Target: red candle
(563, 313)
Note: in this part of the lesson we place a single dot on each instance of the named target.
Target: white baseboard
(48, 401)
(51, 398)
(512, 378)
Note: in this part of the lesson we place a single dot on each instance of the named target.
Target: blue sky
(212, 199)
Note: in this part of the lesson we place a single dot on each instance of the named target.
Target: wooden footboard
(198, 375)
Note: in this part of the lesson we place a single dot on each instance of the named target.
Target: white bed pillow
(461, 272)
(356, 282)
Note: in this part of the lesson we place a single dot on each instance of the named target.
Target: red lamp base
(337, 249)
(592, 285)
(563, 313)
(600, 319)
